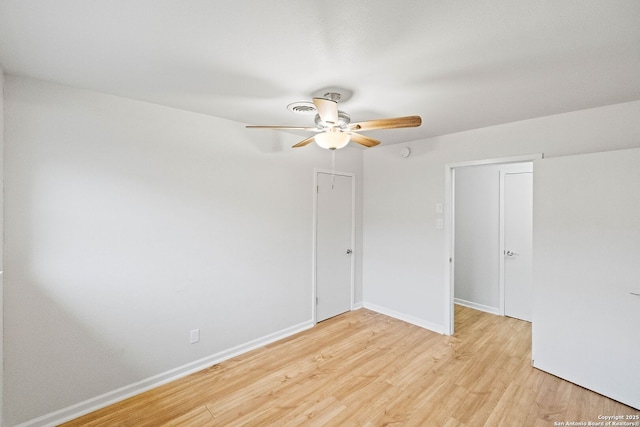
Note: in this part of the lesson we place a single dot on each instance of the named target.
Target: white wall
(405, 265)
(586, 252)
(1, 245)
(130, 224)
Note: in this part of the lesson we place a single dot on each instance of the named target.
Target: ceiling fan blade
(311, 129)
(327, 109)
(364, 140)
(397, 122)
(304, 142)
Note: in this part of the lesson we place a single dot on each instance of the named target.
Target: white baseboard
(120, 394)
(405, 317)
(477, 306)
(357, 306)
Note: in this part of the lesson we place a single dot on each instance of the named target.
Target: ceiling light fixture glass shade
(332, 139)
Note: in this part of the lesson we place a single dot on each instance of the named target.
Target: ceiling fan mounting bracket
(333, 93)
(333, 96)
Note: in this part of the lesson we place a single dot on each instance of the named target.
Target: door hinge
(316, 300)
(450, 260)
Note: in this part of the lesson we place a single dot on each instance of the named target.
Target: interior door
(334, 251)
(518, 234)
(587, 271)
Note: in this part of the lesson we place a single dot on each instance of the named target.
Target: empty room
(356, 213)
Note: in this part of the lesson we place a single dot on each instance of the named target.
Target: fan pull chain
(333, 168)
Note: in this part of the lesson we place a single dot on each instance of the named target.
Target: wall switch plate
(195, 336)
(439, 208)
(439, 224)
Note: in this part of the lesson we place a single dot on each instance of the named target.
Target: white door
(518, 233)
(334, 237)
(587, 271)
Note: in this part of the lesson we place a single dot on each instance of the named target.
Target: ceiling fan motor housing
(343, 120)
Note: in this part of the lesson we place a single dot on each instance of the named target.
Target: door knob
(509, 253)
(349, 251)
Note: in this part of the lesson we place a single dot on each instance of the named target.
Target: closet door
(334, 243)
(586, 264)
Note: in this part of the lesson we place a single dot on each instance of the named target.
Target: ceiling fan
(334, 129)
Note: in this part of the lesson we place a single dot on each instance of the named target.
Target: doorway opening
(475, 240)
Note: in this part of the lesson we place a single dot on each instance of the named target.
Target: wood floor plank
(366, 369)
(198, 417)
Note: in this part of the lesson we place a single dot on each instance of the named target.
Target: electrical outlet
(195, 336)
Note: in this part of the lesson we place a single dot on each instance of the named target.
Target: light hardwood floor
(367, 369)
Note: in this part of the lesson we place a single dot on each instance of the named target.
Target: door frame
(314, 292)
(449, 226)
(527, 167)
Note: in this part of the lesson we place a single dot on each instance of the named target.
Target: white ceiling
(459, 64)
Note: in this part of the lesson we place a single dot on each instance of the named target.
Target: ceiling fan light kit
(333, 139)
(334, 128)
